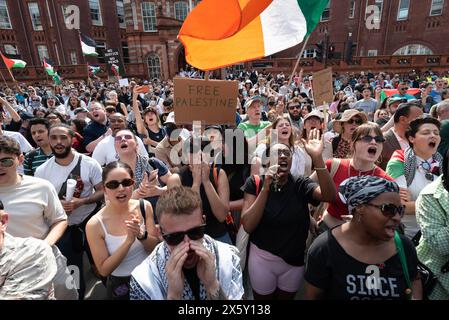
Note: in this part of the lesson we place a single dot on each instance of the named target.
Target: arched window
(413, 49)
(181, 10)
(154, 66)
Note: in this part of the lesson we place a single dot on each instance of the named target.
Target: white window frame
(399, 17)
(372, 53)
(149, 21)
(42, 51)
(432, 8)
(309, 53)
(419, 48)
(352, 6)
(122, 10)
(328, 9)
(152, 67)
(181, 10)
(99, 21)
(12, 49)
(5, 24)
(35, 16)
(73, 57)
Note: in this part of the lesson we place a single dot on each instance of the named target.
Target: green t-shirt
(251, 130)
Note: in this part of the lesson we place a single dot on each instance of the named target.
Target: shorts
(268, 272)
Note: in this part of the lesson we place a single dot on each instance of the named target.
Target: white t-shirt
(57, 175)
(105, 152)
(25, 146)
(33, 207)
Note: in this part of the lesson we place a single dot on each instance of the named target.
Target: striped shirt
(33, 160)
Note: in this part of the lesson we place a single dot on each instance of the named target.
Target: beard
(62, 155)
(295, 118)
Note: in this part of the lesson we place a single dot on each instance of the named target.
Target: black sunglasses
(389, 210)
(175, 238)
(6, 163)
(368, 139)
(114, 184)
(294, 107)
(357, 121)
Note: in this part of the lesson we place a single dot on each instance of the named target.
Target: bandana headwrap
(355, 191)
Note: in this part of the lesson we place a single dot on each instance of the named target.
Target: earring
(359, 218)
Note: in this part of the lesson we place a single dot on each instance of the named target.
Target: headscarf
(355, 191)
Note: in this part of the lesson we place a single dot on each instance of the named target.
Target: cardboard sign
(323, 89)
(114, 60)
(211, 101)
(123, 82)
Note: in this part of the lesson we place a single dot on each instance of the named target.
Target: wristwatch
(144, 237)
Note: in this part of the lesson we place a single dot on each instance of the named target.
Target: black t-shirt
(156, 136)
(284, 226)
(193, 281)
(342, 277)
(237, 175)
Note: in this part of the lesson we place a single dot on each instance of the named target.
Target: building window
(379, 4)
(125, 52)
(73, 57)
(413, 49)
(181, 10)
(310, 53)
(326, 13)
(436, 8)
(35, 16)
(372, 53)
(11, 49)
(403, 9)
(5, 23)
(95, 12)
(149, 16)
(121, 14)
(154, 66)
(351, 9)
(43, 52)
(101, 48)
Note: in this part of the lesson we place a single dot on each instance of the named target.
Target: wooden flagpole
(4, 79)
(14, 79)
(299, 58)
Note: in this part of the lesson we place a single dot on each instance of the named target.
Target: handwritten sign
(323, 89)
(211, 101)
(124, 82)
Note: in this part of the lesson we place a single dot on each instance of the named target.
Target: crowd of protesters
(323, 197)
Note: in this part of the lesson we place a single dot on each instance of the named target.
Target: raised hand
(206, 265)
(132, 228)
(314, 145)
(173, 268)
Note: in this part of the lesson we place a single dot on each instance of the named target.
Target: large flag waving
(88, 46)
(13, 63)
(220, 33)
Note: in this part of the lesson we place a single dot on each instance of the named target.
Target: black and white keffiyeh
(355, 191)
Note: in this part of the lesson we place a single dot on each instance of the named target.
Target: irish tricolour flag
(13, 63)
(219, 33)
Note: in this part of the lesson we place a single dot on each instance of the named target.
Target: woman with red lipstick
(122, 234)
(365, 259)
(416, 167)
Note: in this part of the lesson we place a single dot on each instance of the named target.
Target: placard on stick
(323, 89)
(209, 101)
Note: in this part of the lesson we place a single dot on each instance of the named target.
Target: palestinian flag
(94, 70)
(396, 165)
(57, 79)
(387, 93)
(249, 29)
(49, 68)
(13, 63)
(115, 69)
(88, 46)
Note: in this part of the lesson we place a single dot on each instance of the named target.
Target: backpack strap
(31, 156)
(142, 211)
(257, 181)
(401, 252)
(334, 166)
(213, 175)
(75, 173)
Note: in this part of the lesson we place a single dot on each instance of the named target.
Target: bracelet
(317, 169)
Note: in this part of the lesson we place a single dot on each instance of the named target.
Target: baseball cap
(396, 99)
(314, 113)
(79, 110)
(248, 102)
(170, 118)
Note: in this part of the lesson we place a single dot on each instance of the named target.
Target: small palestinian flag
(13, 63)
(57, 79)
(88, 46)
(48, 67)
(93, 70)
(115, 69)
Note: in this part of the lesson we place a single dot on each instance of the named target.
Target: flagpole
(14, 79)
(4, 79)
(299, 58)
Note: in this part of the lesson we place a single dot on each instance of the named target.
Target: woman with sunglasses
(416, 167)
(122, 234)
(367, 145)
(276, 215)
(149, 125)
(361, 259)
(345, 127)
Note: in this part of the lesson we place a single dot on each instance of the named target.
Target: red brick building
(145, 33)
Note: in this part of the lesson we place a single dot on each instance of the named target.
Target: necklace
(360, 172)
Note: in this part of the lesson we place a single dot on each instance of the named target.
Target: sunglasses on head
(389, 210)
(357, 121)
(114, 184)
(126, 137)
(368, 139)
(175, 238)
(6, 163)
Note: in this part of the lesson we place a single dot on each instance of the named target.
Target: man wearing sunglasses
(105, 152)
(402, 89)
(211, 268)
(294, 113)
(69, 164)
